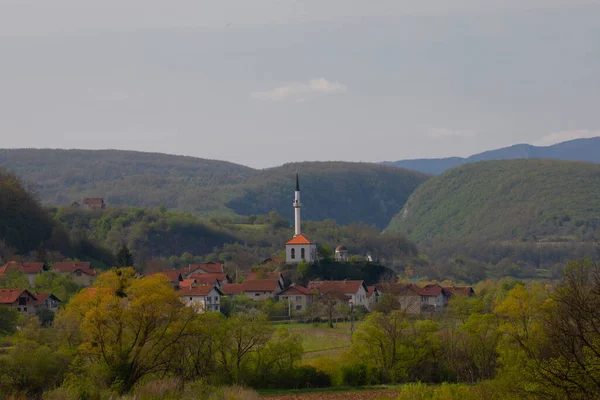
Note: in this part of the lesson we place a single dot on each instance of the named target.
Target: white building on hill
(300, 247)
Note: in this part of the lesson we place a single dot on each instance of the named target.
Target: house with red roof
(355, 290)
(202, 298)
(252, 276)
(298, 298)
(47, 300)
(206, 268)
(372, 296)
(20, 299)
(433, 297)
(81, 271)
(408, 296)
(260, 289)
(30, 269)
(216, 279)
(94, 203)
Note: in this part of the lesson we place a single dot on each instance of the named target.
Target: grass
(337, 389)
(321, 340)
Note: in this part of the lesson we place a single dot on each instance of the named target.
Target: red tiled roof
(346, 286)
(9, 296)
(187, 283)
(41, 297)
(173, 274)
(207, 278)
(233, 289)
(209, 268)
(400, 289)
(197, 291)
(334, 295)
(74, 266)
(261, 285)
(296, 290)
(25, 267)
(459, 290)
(371, 290)
(93, 200)
(430, 290)
(300, 239)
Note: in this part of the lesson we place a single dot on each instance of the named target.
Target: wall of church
(310, 252)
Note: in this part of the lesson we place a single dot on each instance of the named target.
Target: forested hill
(572, 150)
(345, 192)
(506, 200)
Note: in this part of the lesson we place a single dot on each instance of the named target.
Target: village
(203, 286)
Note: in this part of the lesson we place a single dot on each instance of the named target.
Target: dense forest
(345, 192)
(525, 200)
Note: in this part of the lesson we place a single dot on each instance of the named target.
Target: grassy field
(319, 341)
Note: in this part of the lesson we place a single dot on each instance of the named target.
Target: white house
(204, 298)
(300, 247)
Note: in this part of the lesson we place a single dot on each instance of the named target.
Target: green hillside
(534, 200)
(345, 192)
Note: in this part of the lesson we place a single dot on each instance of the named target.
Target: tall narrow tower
(298, 230)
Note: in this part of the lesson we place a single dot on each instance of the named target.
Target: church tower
(297, 226)
(300, 247)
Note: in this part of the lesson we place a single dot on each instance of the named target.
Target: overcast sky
(265, 82)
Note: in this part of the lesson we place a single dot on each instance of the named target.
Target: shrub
(168, 389)
(356, 375)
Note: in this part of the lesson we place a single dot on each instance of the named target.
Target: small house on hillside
(217, 279)
(252, 276)
(298, 298)
(408, 296)
(81, 271)
(20, 299)
(47, 300)
(372, 297)
(31, 269)
(260, 289)
(203, 298)
(206, 268)
(94, 203)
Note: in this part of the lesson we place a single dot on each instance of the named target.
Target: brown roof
(459, 290)
(341, 247)
(334, 295)
(173, 274)
(430, 290)
(261, 285)
(209, 268)
(197, 291)
(41, 297)
(300, 239)
(74, 266)
(187, 283)
(371, 290)
(233, 288)
(9, 296)
(346, 286)
(207, 278)
(296, 290)
(93, 200)
(400, 289)
(25, 267)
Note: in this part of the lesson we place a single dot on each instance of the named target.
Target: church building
(300, 247)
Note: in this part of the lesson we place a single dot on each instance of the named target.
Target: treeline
(161, 239)
(27, 230)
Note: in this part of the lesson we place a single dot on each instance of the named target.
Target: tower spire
(297, 183)
(297, 223)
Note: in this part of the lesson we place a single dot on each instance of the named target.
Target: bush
(356, 375)
(302, 377)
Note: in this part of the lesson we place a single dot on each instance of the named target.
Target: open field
(319, 341)
(374, 392)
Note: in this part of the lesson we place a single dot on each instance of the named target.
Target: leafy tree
(8, 320)
(61, 285)
(14, 279)
(124, 257)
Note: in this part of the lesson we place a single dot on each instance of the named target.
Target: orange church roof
(300, 239)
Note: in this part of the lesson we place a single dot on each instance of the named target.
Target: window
(22, 301)
(209, 299)
(257, 294)
(190, 299)
(78, 273)
(25, 309)
(302, 254)
(293, 254)
(298, 307)
(298, 298)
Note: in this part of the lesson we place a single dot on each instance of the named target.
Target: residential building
(47, 300)
(298, 298)
(81, 271)
(372, 296)
(204, 298)
(217, 279)
(356, 290)
(94, 203)
(30, 269)
(300, 247)
(341, 253)
(433, 297)
(252, 276)
(408, 296)
(260, 289)
(453, 291)
(20, 299)
(206, 268)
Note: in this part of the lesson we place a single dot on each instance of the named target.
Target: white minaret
(298, 230)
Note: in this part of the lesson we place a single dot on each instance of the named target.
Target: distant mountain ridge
(572, 150)
(343, 191)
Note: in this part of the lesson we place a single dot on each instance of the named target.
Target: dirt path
(366, 395)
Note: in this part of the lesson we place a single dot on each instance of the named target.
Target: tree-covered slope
(345, 192)
(342, 191)
(572, 150)
(506, 200)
